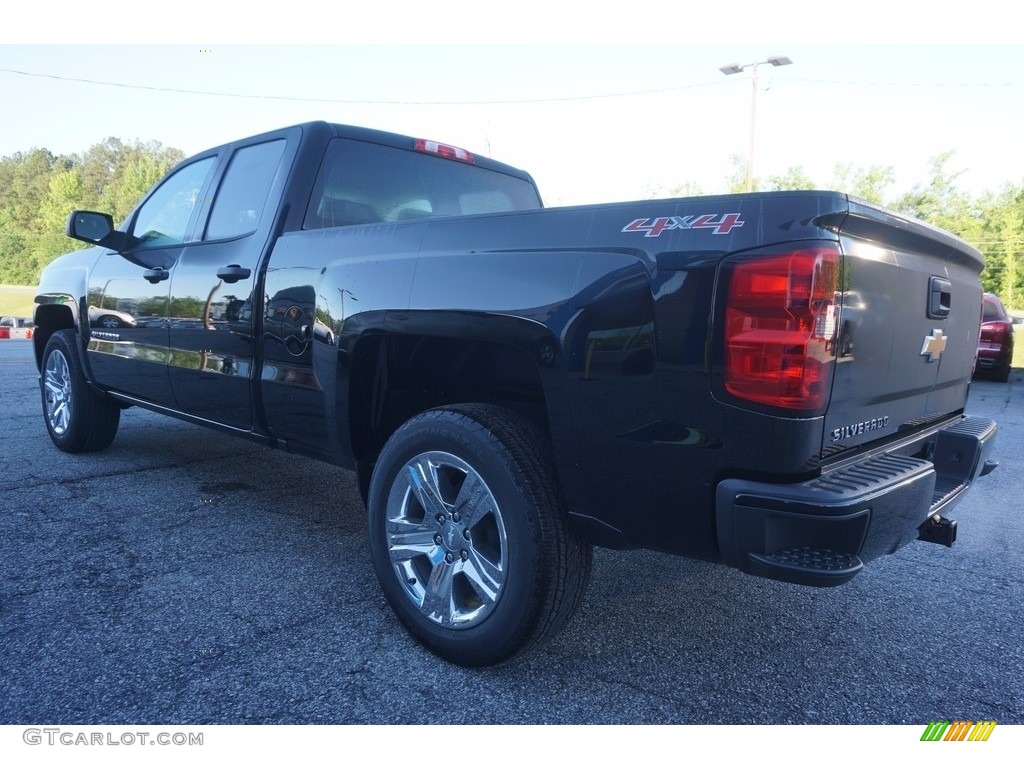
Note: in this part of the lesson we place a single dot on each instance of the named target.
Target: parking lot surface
(183, 576)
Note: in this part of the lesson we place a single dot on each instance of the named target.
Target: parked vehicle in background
(16, 327)
(995, 344)
(110, 318)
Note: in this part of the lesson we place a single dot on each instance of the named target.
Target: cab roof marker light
(443, 150)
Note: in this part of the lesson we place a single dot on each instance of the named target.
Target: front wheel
(109, 321)
(468, 536)
(77, 419)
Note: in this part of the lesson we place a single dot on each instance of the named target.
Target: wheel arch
(50, 318)
(423, 360)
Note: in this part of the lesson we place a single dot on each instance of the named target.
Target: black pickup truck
(774, 381)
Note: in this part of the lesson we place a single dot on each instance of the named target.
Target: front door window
(163, 220)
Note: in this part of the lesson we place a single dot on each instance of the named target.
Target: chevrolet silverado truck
(774, 381)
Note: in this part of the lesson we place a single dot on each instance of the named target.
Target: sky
(592, 121)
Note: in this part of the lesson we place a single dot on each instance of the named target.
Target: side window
(163, 219)
(243, 192)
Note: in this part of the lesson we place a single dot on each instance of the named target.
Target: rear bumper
(995, 357)
(995, 354)
(822, 531)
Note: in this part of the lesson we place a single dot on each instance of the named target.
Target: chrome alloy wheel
(57, 384)
(446, 540)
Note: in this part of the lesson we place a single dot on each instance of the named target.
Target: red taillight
(780, 322)
(994, 331)
(443, 150)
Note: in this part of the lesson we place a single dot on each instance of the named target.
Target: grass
(17, 300)
(1018, 344)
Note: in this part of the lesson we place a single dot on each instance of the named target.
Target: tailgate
(909, 321)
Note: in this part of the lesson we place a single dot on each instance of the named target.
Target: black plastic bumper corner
(821, 532)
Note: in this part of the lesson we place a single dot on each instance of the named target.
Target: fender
(63, 290)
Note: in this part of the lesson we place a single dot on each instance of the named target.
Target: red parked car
(16, 327)
(995, 346)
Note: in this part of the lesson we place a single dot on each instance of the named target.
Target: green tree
(1000, 237)
(686, 189)
(64, 195)
(866, 183)
(99, 169)
(25, 187)
(39, 189)
(794, 178)
(139, 168)
(736, 181)
(938, 201)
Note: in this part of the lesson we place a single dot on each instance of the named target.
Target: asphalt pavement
(183, 576)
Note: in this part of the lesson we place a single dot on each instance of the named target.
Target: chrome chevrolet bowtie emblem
(934, 345)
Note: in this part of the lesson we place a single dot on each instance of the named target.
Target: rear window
(992, 311)
(363, 183)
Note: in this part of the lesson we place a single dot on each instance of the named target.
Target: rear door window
(243, 193)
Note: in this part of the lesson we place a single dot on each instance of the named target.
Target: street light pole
(735, 69)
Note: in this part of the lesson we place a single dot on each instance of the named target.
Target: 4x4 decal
(654, 227)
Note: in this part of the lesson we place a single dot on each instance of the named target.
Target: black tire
(503, 571)
(109, 321)
(1002, 373)
(77, 419)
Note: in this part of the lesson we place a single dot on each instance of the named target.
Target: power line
(495, 102)
(894, 84)
(382, 102)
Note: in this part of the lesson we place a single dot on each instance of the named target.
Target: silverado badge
(934, 345)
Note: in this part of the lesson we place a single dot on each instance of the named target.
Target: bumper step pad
(818, 566)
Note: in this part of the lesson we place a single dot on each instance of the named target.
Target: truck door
(212, 322)
(128, 291)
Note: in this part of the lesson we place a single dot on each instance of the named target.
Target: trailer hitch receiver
(937, 530)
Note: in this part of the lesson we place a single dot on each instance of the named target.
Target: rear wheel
(77, 419)
(468, 535)
(1002, 373)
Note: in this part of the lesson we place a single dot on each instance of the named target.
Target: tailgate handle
(940, 296)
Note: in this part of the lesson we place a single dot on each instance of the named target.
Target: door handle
(156, 275)
(232, 273)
